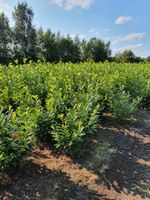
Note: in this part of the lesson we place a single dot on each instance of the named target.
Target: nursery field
(61, 104)
(74, 131)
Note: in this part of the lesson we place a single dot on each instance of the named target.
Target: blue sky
(124, 22)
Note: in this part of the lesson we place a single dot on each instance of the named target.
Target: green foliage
(97, 50)
(5, 39)
(69, 129)
(16, 135)
(126, 56)
(62, 103)
(47, 45)
(147, 59)
(68, 50)
(23, 40)
(24, 34)
(122, 105)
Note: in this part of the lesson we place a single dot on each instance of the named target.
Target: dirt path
(50, 176)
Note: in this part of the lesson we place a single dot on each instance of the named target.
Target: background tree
(139, 59)
(126, 56)
(77, 49)
(5, 40)
(47, 45)
(83, 45)
(24, 41)
(69, 50)
(97, 50)
(40, 43)
(108, 50)
(24, 33)
(148, 59)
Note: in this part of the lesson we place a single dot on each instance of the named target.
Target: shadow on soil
(127, 173)
(36, 183)
(129, 168)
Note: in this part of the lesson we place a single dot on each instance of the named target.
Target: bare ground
(48, 175)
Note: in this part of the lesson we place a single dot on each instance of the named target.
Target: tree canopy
(24, 34)
(5, 39)
(25, 41)
(126, 56)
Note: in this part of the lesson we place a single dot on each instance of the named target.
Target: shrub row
(63, 103)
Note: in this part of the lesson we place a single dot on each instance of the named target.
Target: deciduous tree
(5, 39)
(24, 32)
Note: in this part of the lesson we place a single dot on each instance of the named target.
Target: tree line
(23, 40)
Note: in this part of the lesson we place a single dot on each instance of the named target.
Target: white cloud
(70, 4)
(113, 42)
(131, 47)
(5, 7)
(123, 19)
(116, 40)
(128, 37)
(58, 2)
(133, 36)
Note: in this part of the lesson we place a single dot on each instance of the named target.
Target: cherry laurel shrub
(16, 135)
(62, 103)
